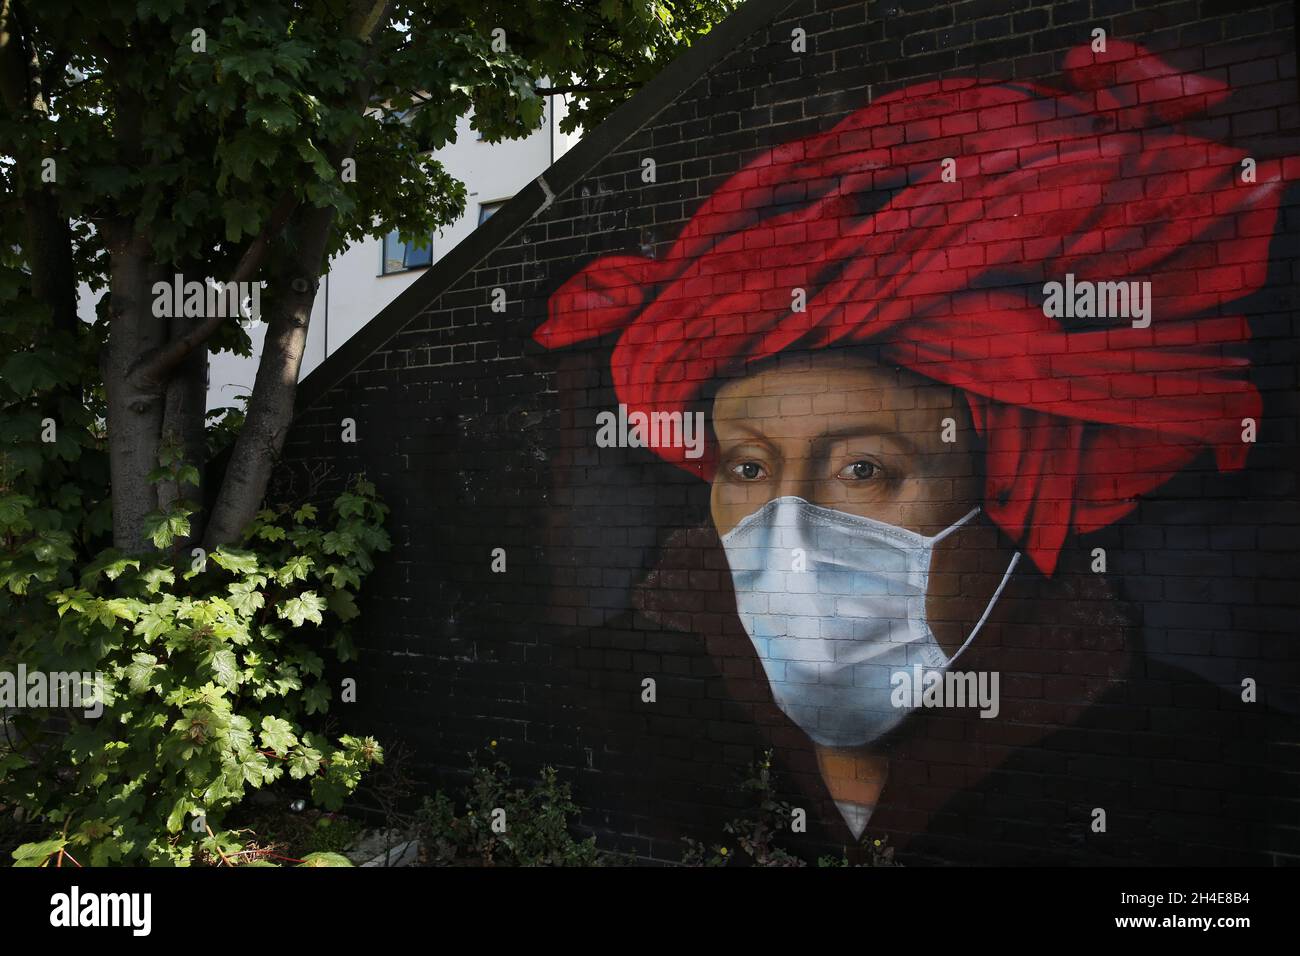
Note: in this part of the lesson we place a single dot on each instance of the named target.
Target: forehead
(828, 390)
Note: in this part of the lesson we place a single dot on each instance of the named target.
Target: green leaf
(111, 564)
(242, 219)
(140, 672)
(344, 648)
(13, 513)
(342, 603)
(350, 505)
(276, 117)
(339, 542)
(156, 578)
(254, 768)
(26, 371)
(325, 859)
(343, 576)
(308, 661)
(245, 598)
(164, 529)
(53, 546)
(157, 620)
(295, 569)
(180, 808)
(224, 667)
(316, 699)
(239, 737)
(306, 607)
(35, 854)
(236, 560)
(271, 532)
(304, 761)
(106, 852)
(328, 793)
(278, 735)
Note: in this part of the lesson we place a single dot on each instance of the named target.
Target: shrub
(504, 825)
(755, 832)
(213, 674)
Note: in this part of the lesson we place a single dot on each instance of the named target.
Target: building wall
(1126, 690)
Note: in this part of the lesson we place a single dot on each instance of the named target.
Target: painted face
(846, 433)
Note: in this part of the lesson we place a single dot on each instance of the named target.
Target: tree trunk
(184, 417)
(134, 416)
(270, 409)
(49, 255)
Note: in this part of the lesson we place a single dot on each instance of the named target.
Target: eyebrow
(731, 423)
(838, 434)
(853, 431)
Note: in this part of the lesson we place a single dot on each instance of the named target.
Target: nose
(797, 478)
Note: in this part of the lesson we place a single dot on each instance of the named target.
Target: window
(401, 256)
(486, 209)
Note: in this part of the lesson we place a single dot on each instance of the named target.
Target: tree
(247, 141)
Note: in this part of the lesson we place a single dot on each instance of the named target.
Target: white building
(367, 276)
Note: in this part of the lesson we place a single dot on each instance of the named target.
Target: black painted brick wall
(479, 440)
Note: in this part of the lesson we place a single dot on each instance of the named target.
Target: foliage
(249, 141)
(210, 664)
(697, 854)
(197, 138)
(504, 825)
(879, 853)
(333, 833)
(755, 832)
(210, 668)
(53, 465)
(276, 833)
(207, 137)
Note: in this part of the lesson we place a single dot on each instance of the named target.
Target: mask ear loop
(1015, 559)
(955, 525)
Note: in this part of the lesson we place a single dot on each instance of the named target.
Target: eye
(859, 470)
(748, 471)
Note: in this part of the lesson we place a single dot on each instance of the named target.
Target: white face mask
(831, 636)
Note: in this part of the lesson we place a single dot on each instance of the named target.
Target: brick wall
(1120, 690)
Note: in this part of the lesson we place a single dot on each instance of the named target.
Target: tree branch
(153, 369)
(584, 88)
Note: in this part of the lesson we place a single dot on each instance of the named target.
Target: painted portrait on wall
(932, 353)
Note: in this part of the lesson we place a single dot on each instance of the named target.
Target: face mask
(834, 604)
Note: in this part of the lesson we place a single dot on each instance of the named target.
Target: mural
(916, 358)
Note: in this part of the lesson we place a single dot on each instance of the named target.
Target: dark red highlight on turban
(1097, 180)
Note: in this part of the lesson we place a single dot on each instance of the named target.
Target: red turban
(1099, 180)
